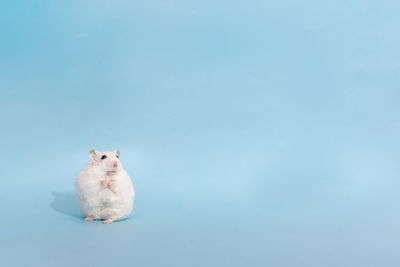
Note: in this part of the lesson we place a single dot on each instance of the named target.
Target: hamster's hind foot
(109, 220)
(89, 218)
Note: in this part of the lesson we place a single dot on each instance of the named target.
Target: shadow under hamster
(66, 203)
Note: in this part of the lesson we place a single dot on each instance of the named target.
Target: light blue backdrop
(257, 133)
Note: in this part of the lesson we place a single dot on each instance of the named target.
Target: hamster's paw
(107, 182)
(109, 220)
(111, 182)
(89, 218)
(104, 183)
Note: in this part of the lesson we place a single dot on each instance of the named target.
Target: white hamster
(105, 190)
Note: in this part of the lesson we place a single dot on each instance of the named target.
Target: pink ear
(93, 154)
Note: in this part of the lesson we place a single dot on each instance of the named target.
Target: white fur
(113, 202)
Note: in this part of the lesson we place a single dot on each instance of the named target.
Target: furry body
(104, 190)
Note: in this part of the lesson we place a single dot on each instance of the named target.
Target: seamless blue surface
(257, 133)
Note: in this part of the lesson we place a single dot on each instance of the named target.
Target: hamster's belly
(106, 202)
(103, 203)
(106, 197)
(111, 204)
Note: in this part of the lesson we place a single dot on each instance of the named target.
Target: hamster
(105, 190)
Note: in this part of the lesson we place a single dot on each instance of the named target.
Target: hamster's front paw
(111, 182)
(107, 182)
(104, 183)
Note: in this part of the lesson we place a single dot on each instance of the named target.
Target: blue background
(257, 133)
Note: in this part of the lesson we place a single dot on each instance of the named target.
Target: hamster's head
(108, 161)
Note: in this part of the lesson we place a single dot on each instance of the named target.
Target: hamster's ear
(117, 152)
(93, 154)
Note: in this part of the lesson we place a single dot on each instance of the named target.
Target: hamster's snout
(115, 165)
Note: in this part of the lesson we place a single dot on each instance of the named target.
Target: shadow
(66, 203)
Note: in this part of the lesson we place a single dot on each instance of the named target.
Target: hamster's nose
(115, 165)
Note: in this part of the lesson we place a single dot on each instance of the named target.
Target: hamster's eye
(103, 157)
(117, 156)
